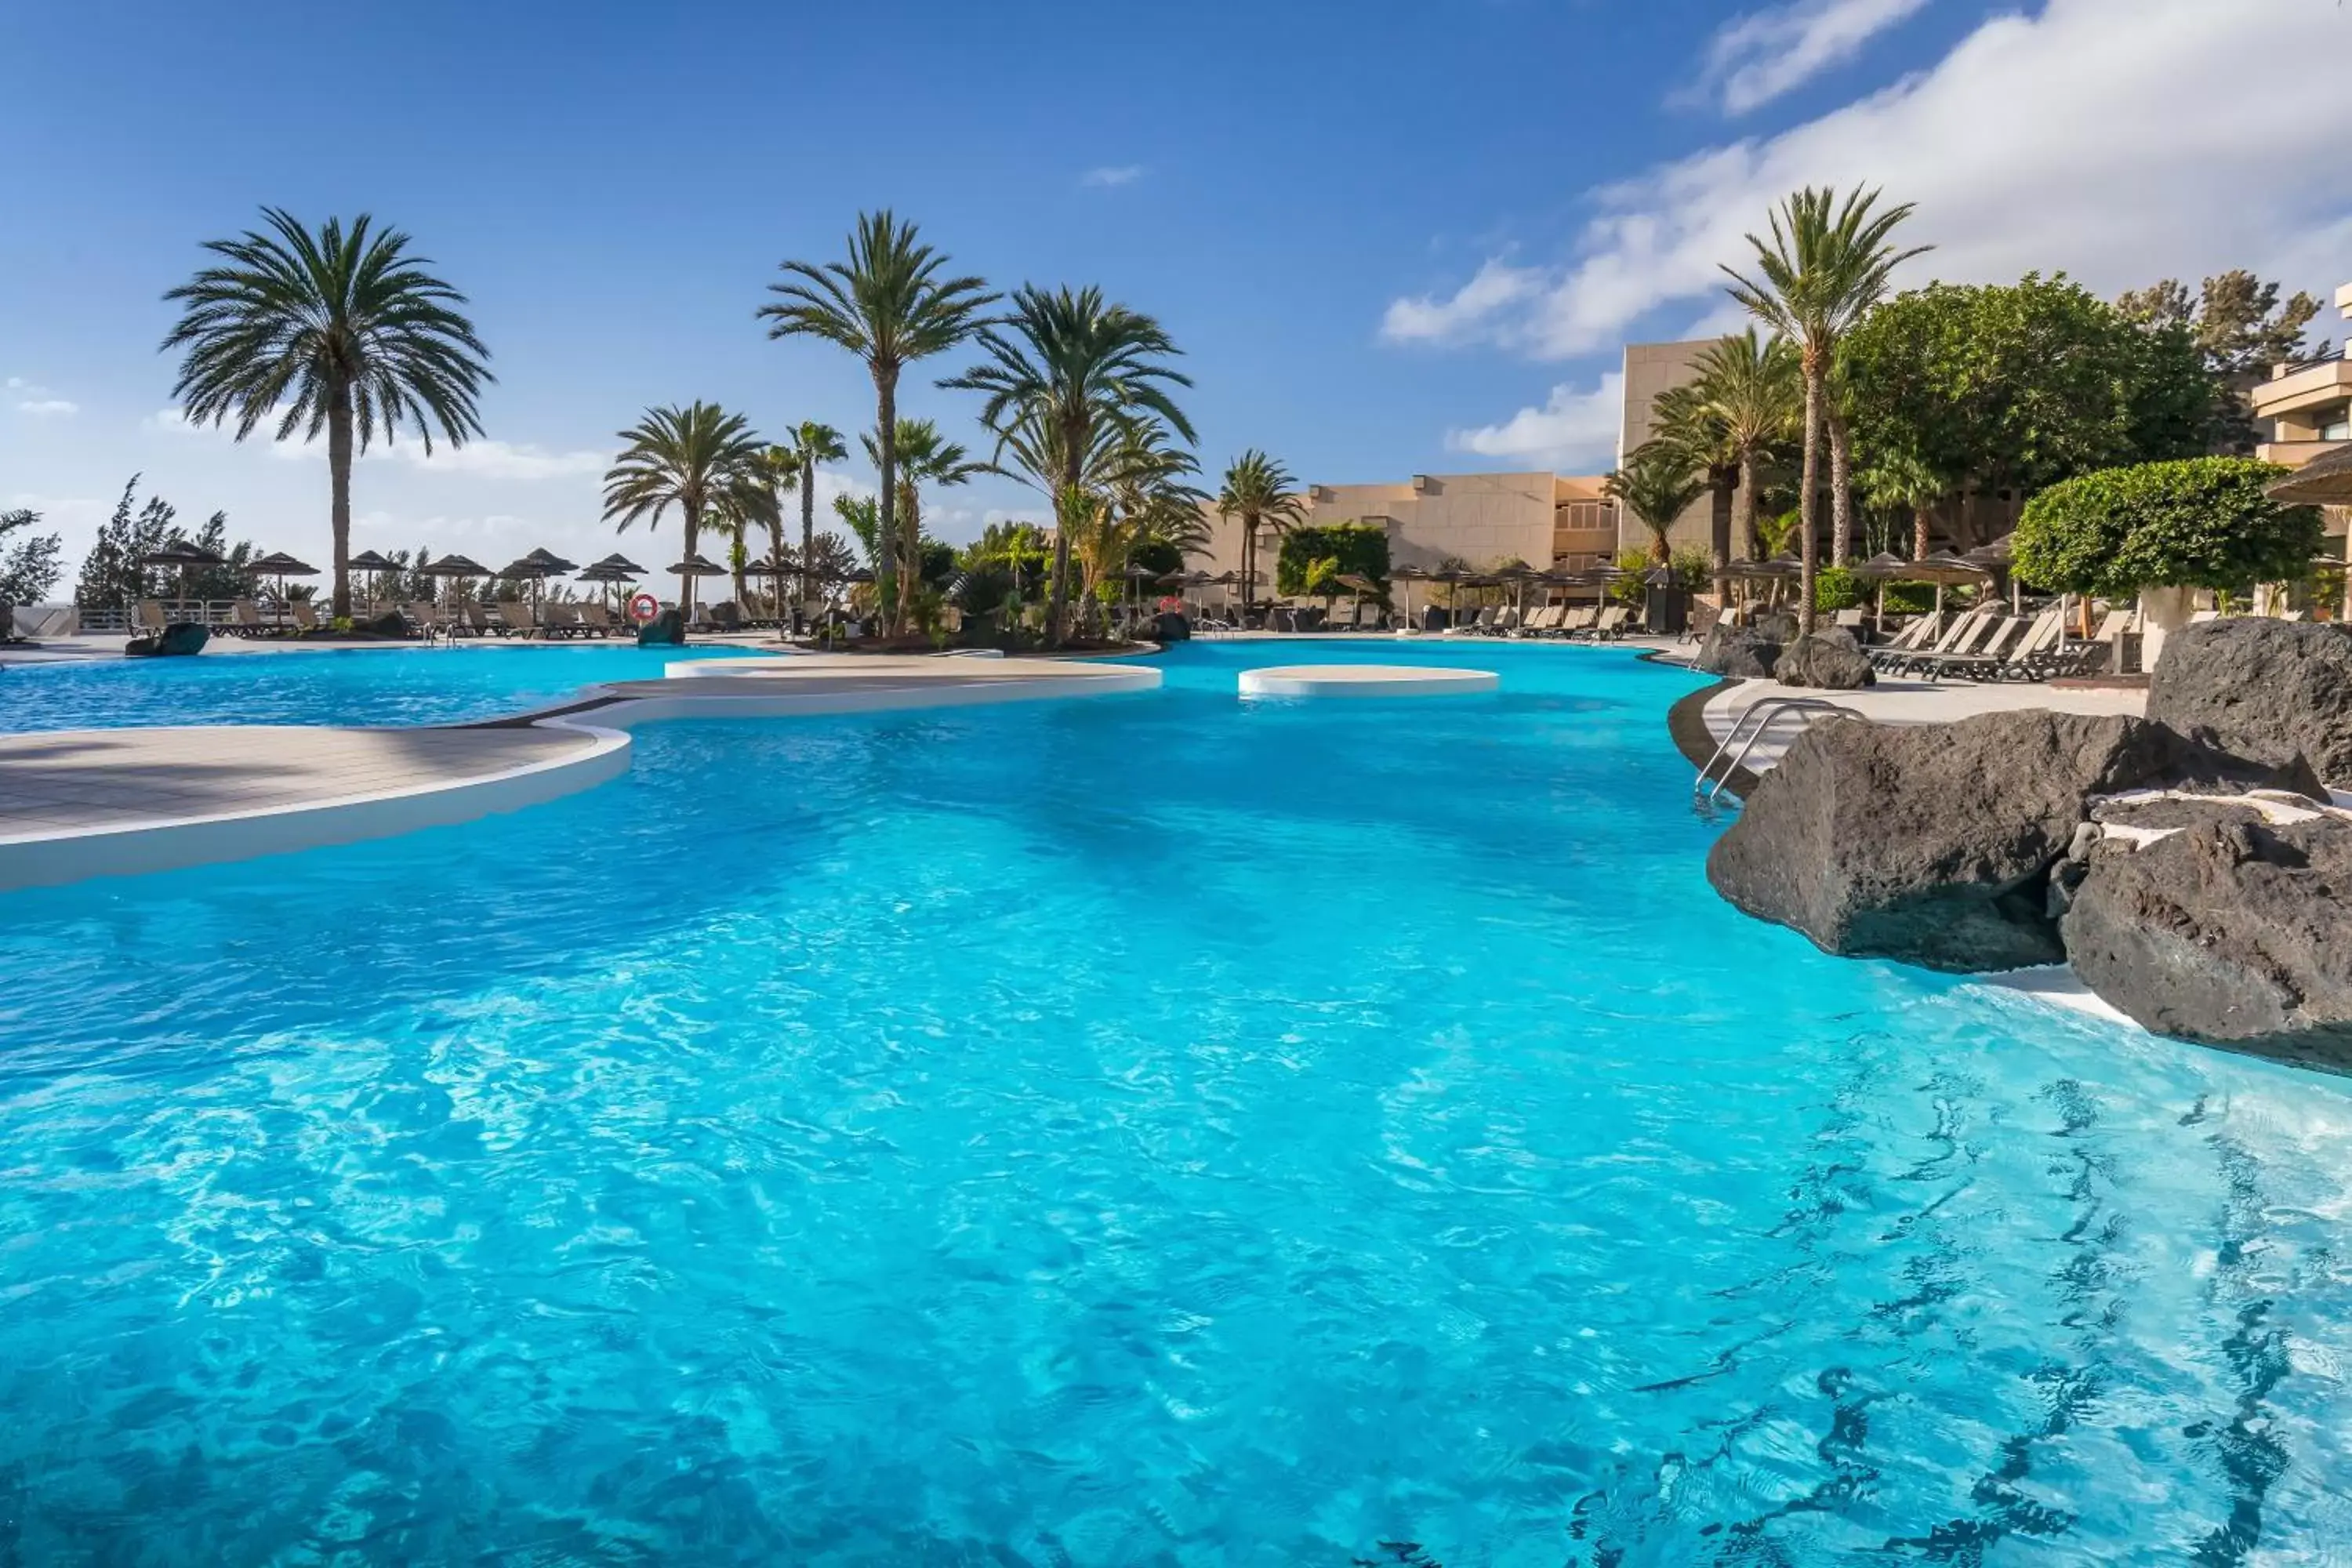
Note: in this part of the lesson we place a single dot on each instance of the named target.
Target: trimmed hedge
(1360, 549)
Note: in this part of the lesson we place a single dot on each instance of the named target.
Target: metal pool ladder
(1758, 721)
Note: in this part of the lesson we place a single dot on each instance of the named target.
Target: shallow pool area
(1156, 1128)
(383, 685)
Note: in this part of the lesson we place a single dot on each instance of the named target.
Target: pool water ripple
(1151, 1129)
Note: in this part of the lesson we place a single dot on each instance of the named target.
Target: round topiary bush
(2203, 523)
(1836, 588)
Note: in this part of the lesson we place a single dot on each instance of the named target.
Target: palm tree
(1657, 484)
(1826, 265)
(888, 305)
(1259, 491)
(924, 458)
(342, 331)
(1061, 368)
(807, 446)
(1902, 480)
(1742, 406)
(696, 458)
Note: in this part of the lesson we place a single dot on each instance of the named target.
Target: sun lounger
(595, 620)
(515, 615)
(245, 620)
(559, 620)
(306, 618)
(147, 617)
(2007, 638)
(425, 617)
(1961, 637)
(2009, 656)
(1607, 626)
(1906, 641)
(1544, 620)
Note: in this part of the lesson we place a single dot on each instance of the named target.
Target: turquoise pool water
(1145, 1130)
(344, 686)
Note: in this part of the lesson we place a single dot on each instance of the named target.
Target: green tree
(1358, 550)
(1827, 265)
(1063, 367)
(809, 446)
(1900, 481)
(2200, 522)
(28, 568)
(2241, 328)
(1259, 492)
(1657, 485)
(2017, 386)
(697, 459)
(1741, 407)
(342, 331)
(923, 457)
(890, 304)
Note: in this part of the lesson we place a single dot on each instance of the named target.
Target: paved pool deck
(81, 803)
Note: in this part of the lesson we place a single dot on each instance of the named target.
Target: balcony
(2299, 391)
(2293, 454)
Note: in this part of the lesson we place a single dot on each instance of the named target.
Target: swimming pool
(385, 685)
(1155, 1129)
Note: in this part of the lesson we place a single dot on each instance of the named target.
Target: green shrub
(2203, 522)
(1836, 588)
(1908, 598)
(1361, 550)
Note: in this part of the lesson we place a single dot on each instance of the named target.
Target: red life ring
(644, 607)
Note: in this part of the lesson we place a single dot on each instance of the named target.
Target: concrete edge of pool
(76, 804)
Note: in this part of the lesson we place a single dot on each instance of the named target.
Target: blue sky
(1394, 238)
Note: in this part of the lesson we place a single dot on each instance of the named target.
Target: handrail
(1764, 715)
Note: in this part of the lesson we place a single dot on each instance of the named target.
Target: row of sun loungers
(1985, 646)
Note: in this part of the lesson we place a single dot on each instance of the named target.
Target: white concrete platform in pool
(1364, 680)
(99, 802)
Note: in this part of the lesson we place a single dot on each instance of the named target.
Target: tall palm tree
(807, 446)
(1065, 365)
(1828, 263)
(342, 331)
(1657, 484)
(1742, 406)
(924, 458)
(695, 459)
(889, 305)
(1259, 490)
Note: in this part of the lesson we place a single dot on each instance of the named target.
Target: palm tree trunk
(1921, 515)
(1725, 483)
(886, 437)
(808, 524)
(693, 516)
(1745, 524)
(1808, 506)
(1841, 490)
(339, 481)
(1249, 565)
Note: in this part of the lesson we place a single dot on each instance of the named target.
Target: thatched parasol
(2326, 480)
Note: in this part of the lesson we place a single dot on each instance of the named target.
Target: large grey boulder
(1930, 843)
(1736, 651)
(2231, 930)
(1828, 660)
(2272, 690)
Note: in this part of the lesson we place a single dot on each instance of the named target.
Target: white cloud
(1472, 310)
(479, 459)
(1575, 430)
(1755, 58)
(28, 398)
(2120, 141)
(1110, 177)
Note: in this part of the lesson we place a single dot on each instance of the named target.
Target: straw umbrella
(614, 568)
(453, 568)
(1408, 575)
(182, 555)
(280, 565)
(1881, 568)
(695, 565)
(1943, 567)
(374, 565)
(2326, 480)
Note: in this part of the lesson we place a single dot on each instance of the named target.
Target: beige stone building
(2309, 406)
(1540, 518)
(1651, 371)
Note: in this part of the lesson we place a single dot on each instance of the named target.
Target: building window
(2336, 424)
